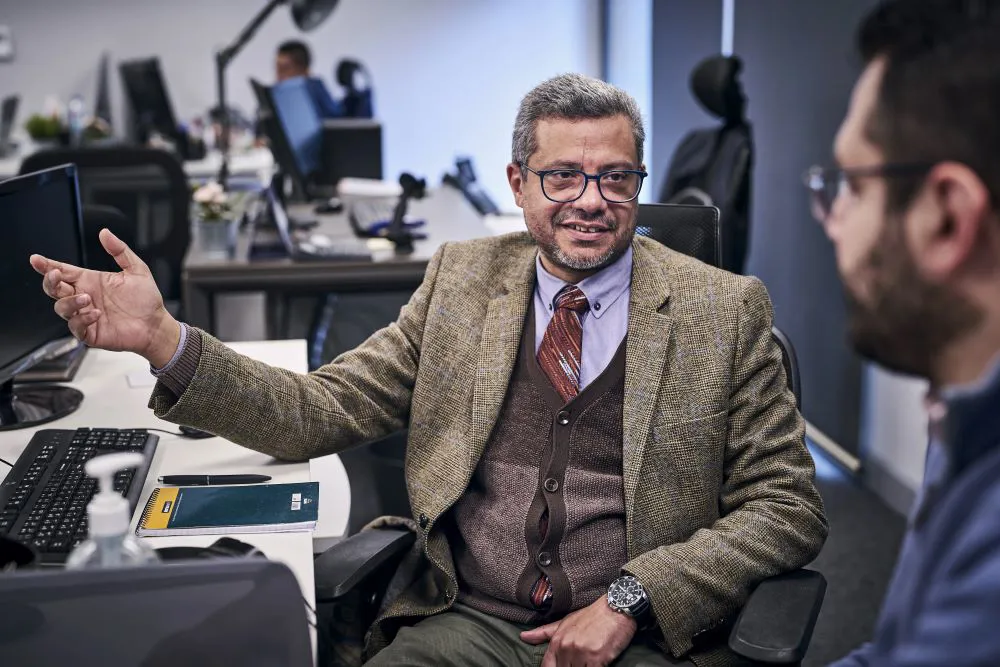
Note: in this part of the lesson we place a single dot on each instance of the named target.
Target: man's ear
(949, 216)
(516, 181)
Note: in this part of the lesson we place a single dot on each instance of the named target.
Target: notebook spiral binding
(150, 504)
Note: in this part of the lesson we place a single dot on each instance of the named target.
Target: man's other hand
(593, 636)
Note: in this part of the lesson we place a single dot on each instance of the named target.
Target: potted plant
(45, 129)
(212, 215)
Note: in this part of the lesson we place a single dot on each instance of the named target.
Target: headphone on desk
(224, 547)
(358, 102)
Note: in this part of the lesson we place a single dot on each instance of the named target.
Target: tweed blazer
(718, 483)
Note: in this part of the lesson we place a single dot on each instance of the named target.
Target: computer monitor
(300, 121)
(39, 213)
(280, 143)
(148, 98)
(8, 114)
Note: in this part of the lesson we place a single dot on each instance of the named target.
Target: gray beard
(560, 258)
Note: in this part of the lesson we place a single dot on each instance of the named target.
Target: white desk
(257, 163)
(109, 401)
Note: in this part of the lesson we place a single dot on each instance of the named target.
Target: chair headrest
(715, 85)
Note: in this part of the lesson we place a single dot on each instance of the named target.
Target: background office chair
(150, 188)
(713, 166)
(774, 627)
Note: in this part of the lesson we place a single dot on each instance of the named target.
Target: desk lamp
(307, 14)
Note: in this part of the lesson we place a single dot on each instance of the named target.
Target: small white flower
(209, 192)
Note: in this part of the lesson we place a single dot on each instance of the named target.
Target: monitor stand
(28, 405)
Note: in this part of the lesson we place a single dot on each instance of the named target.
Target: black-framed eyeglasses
(617, 186)
(826, 184)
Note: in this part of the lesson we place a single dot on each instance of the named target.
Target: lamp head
(308, 14)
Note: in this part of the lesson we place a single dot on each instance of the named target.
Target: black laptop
(228, 611)
(314, 247)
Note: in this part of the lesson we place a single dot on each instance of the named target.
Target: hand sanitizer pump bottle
(110, 543)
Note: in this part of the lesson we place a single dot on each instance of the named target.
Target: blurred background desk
(253, 163)
(449, 218)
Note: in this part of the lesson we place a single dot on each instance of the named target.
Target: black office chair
(713, 166)
(689, 229)
(149, 187)
(774, 626)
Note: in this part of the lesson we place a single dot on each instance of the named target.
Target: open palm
(111, 311)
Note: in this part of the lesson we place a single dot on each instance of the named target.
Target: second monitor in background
(148, 99)
(315, 154)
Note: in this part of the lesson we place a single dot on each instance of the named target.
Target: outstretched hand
(112, 311)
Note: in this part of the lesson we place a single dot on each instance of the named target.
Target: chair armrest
(777, 621)
(345, 565)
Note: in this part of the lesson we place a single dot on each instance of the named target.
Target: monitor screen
(147, 95)
(281, 149)
(300, 122)
(39, 213)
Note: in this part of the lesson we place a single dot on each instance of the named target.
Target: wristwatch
(627, 596)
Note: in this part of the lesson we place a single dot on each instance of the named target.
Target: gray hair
(572, 97)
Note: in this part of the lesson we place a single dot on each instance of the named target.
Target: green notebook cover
(215, 510)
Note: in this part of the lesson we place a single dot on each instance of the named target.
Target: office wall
(629, 65)
(448, 73)
(684, 32)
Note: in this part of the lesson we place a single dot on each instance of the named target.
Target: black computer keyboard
(43, 499)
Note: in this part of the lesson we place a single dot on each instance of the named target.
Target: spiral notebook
(216, 510)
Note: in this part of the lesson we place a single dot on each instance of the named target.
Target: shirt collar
(966, 417)
(602, 289)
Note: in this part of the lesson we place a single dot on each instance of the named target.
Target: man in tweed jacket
(664, 453)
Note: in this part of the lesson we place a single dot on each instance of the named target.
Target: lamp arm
(226, 54)
(223, 57)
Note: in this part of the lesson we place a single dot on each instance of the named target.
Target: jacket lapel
(498, 350)
(646, 350)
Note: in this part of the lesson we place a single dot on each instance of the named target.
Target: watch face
(625, 593)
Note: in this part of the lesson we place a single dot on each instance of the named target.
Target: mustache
(584, 216)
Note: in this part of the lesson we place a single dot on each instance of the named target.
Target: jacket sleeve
(361, 395)
(771, 516)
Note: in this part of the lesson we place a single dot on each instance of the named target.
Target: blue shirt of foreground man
(913, 213)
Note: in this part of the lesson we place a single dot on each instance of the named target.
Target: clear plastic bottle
(110, 543)
(75, 116)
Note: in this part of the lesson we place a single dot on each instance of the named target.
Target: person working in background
(292, 60)
(913, 210)
(604, 457)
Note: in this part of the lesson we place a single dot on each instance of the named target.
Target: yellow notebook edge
(158, 511)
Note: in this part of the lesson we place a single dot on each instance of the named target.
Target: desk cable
(6, 462)
(320, 635)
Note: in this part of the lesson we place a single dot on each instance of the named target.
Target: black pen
(207, 480)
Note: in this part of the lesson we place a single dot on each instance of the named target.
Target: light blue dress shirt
(604, 325)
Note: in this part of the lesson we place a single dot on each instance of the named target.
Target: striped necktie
(562, 345)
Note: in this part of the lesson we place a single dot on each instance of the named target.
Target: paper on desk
(140, 379)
